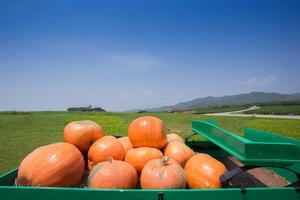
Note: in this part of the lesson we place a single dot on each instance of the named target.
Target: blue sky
(122, 55)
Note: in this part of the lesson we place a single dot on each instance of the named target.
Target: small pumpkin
(162, 173)
(82, 134)
(147, 131)
(204, 171)
(174, 137)
(103, 149)
(113, 174)
(126, 143)
(179, 152)
(140, 156)
(53, 165)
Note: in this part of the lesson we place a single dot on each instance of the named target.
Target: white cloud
(131, 60)
(259, 81)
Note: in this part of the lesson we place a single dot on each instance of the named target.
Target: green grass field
(276, 110)
(20, 133)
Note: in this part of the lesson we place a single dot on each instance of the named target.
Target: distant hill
(240, 99)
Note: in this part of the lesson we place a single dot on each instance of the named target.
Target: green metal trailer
(255, 149)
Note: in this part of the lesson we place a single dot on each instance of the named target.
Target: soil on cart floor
(258, 177)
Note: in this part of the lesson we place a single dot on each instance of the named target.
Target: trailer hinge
(296, 184)
(160, 196)
(243, 190)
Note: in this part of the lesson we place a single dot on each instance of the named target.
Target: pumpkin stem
(110, 159)
(165, 161)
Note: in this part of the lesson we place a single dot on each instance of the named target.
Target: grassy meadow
(20, 133)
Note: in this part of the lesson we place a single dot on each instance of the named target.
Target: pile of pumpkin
(148, 159)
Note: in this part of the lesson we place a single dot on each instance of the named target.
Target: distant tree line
(86, 109)
(280, 103)
(233, 107)
(142, 111)
(262, 104)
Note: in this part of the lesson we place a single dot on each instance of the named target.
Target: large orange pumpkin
(174, 137)
(140, 156)
(126, 143)
(162, 173)
(147, 131)
(54, 165)
(204, 171)
(179, 152)
(113, 174)
(82, 134)
(105, 148)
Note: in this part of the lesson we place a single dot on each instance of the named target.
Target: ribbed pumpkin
(179, 152)
(204, 171)
(113, 174)
(174, 137)
(147, 131)
(103, 149)
(82, 134)
(126, 143)
(53, 165)
(162, 173)
(140, 156)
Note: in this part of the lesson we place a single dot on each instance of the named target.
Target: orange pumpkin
(103, 149)
(147, 131)
(179, 152)
(82, 134)
(162, 173)
(53, 165)
(113, 174)
(174, 137)
(126, 143)
(204, 171)
(140, 156)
